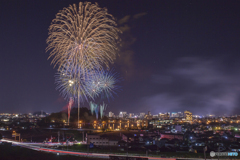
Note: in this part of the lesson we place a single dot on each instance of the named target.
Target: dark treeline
(85, 116)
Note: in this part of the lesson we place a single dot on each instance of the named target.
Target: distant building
(160, 115)
(124, 114)
(149, 113)
(42, 115)
(111, 114)
(102, 140)
(180, 114)
(210, 115)
(130, 115)
(121, 115)
(174, 114)
(238, 117)
(145, 123)
(142, 115)
(188, 115)
(156, 123)
(163, 115)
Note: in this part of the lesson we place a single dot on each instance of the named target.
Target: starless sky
(176, 56)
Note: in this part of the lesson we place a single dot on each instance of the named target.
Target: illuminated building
(130, 115)
(188, 115)
(145, 123)
(163, 116)
(142, 115)
(111, 114)
(149, 113)
(155, 123)
(174, 114)
(102, 140)
(120, 115)
(124, 114)
(180, 114)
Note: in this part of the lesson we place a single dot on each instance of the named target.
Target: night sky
(176, 56)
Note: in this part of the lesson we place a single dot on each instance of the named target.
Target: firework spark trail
(70, 103)
(102, 109)
(96, 112)
(94, 108)
(106, 82)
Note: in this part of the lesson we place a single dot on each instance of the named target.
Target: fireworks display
(107, 84)
(78, 87)
(83, 40)
(86, 35)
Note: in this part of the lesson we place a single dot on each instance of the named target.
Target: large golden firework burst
(85, 35)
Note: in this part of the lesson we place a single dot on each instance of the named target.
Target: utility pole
(83, 136)
(58, 135)
(205, 149)
(67, 144)
(127, 146)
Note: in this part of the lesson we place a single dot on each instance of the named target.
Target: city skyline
(125, 114)
(177, 56)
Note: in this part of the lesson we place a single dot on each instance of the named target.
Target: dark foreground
(19, 153)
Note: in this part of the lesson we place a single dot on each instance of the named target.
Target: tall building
(163, 115)
(130, 115)
(238, 117)
(160, 115)
(174, 114)
(180, 114)
(142, 115)
(121, 115)
(111, 114)
(149, 113)
(124, 114)
(188, 115)
(168, 115)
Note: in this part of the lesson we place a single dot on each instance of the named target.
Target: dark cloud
(194, 84)
(124, 28)
(123, 20)
(126, 59)
(136, 16)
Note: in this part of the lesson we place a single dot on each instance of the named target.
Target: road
(38, 147)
